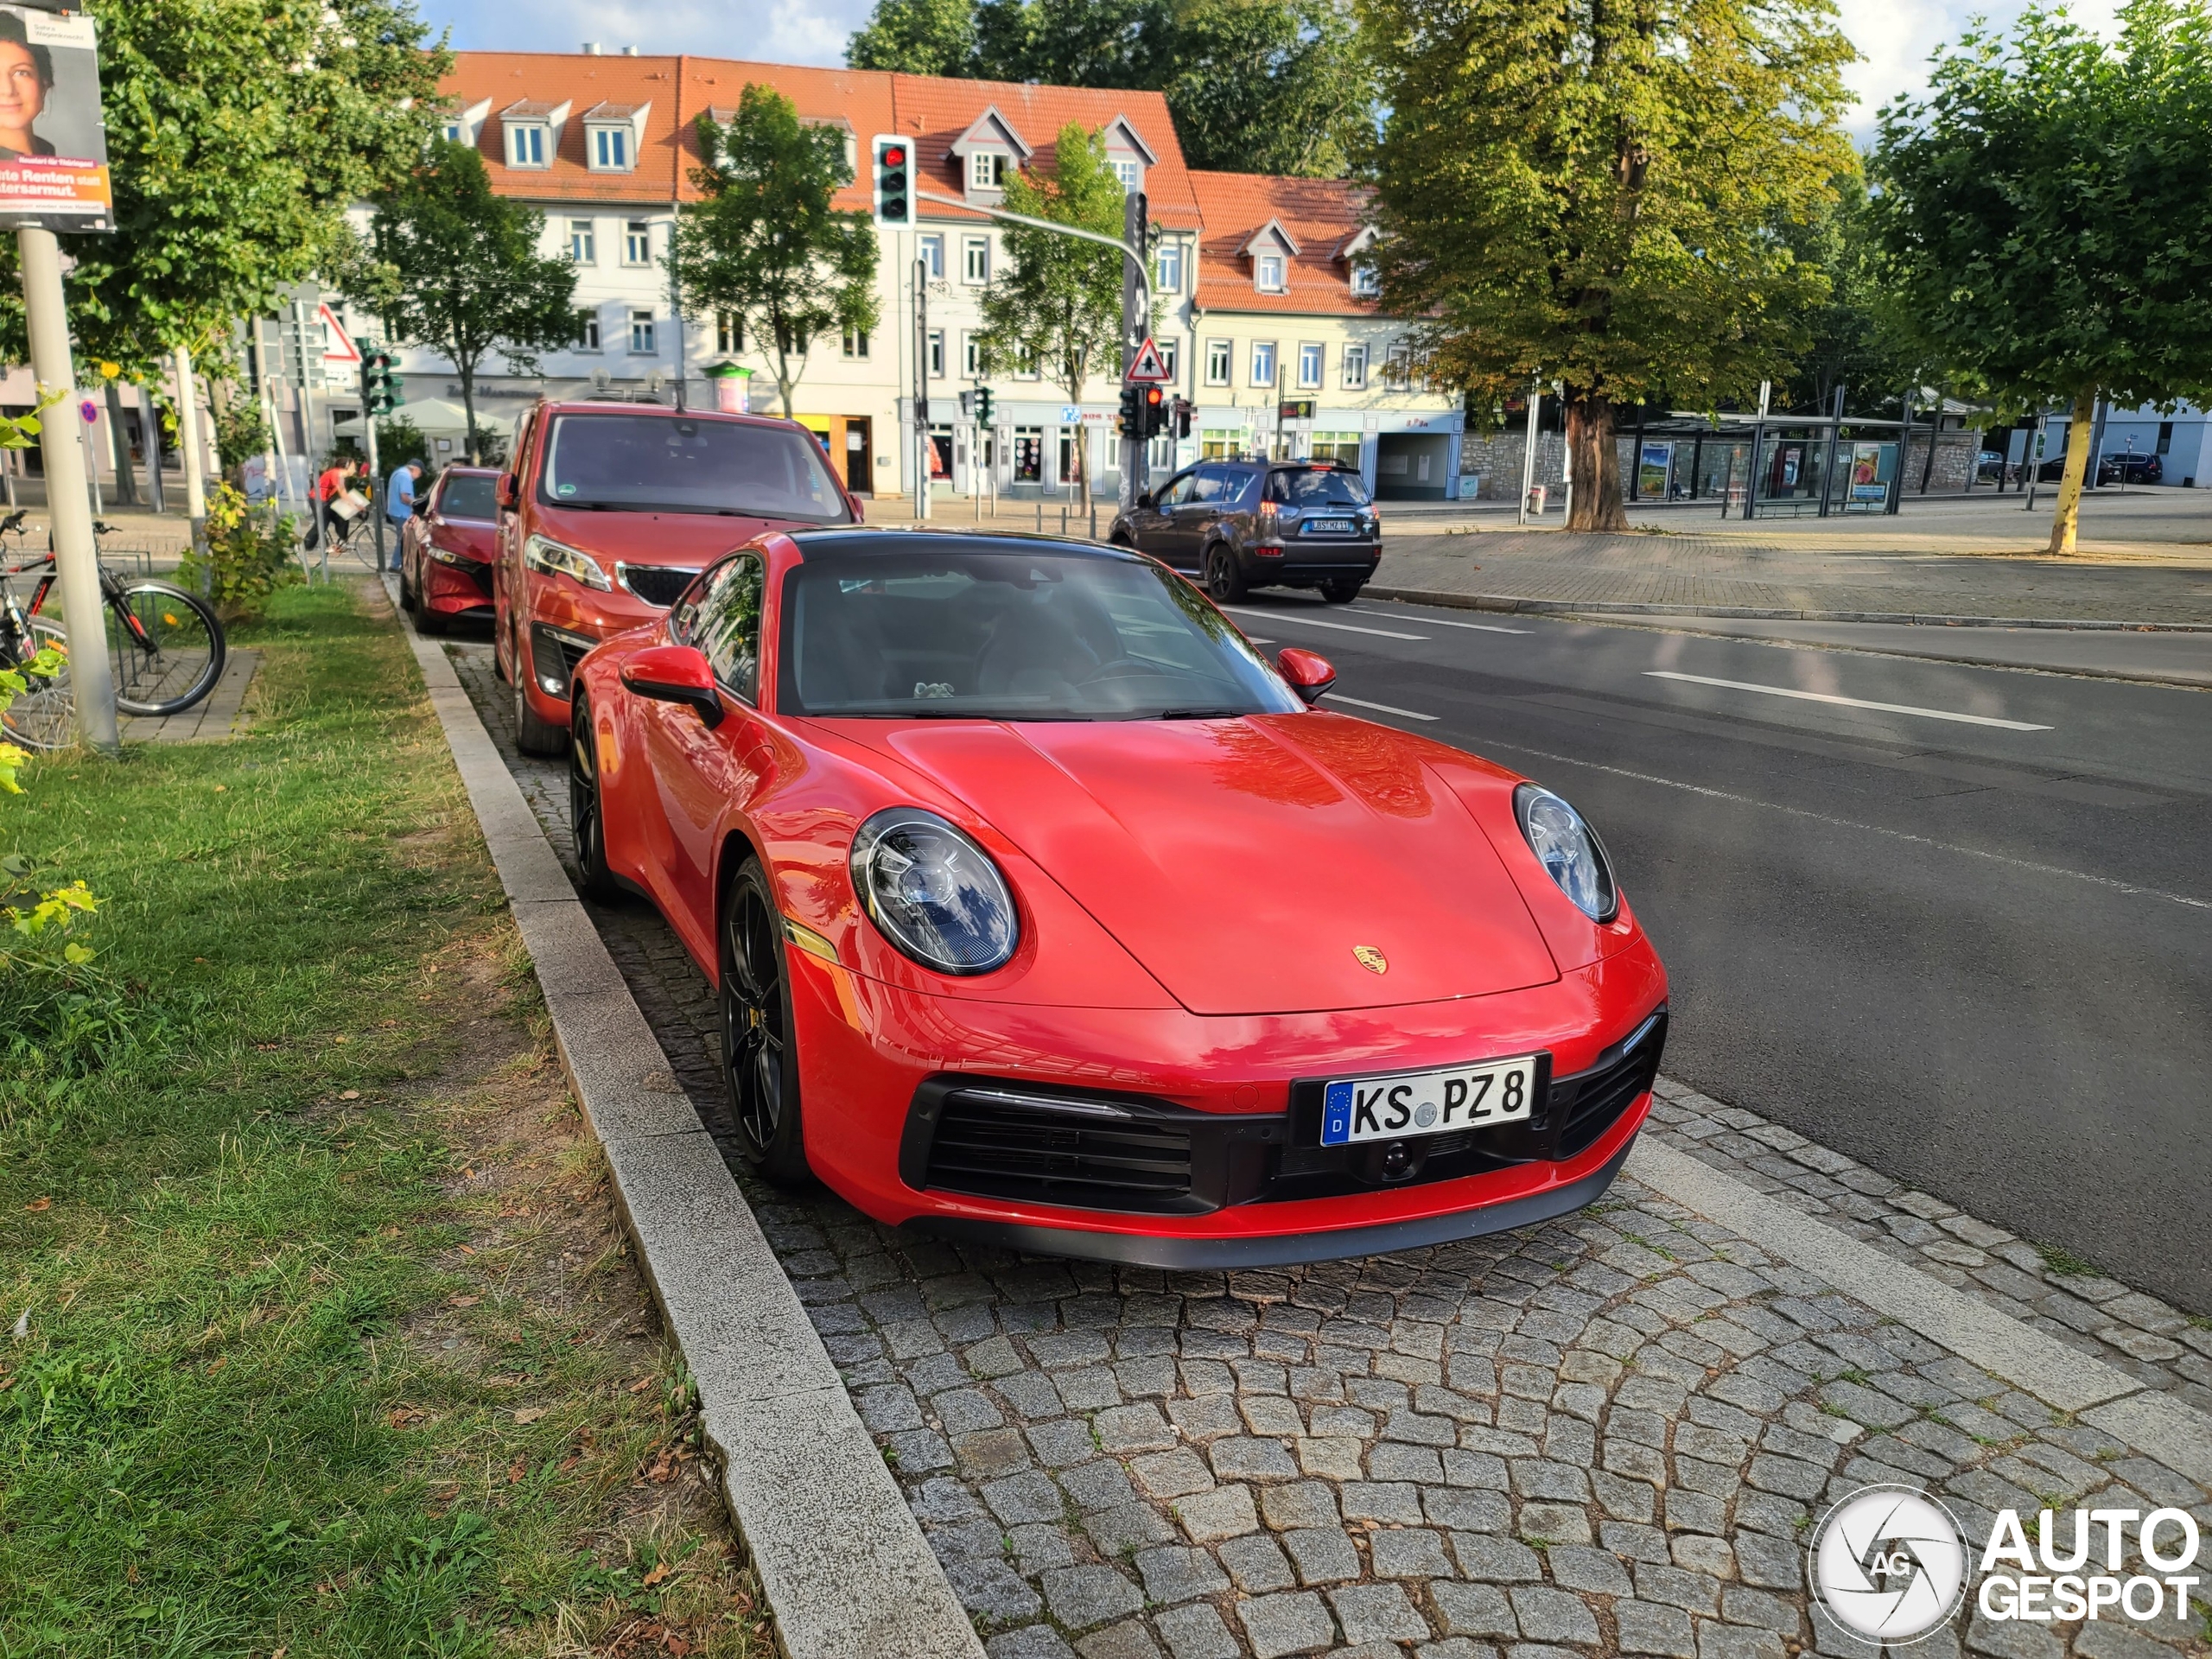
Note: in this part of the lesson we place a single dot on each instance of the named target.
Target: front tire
(1224, 581)
(533, 735)
(587, 807)
(166, 649)
(759, 1056)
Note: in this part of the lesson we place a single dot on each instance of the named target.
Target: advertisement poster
(53, 145)
(1869, 477)
(1653, 467)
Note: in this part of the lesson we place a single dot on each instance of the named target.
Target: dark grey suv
(1238, 524)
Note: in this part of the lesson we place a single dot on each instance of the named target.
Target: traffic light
(1182, 422)
(894, 181)
(983, 406)
(1132, 411)
(376, 390)
(1153, 403)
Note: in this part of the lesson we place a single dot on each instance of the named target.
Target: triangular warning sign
(337, 345)
(1147, 369)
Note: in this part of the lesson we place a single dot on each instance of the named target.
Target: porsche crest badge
(1372, 959)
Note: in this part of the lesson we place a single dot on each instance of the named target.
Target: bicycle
(166, 649)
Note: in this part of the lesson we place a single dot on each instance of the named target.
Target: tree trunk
(1595, 455)
(2066, 517)
(468, 409)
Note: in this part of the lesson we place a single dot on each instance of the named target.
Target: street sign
(1146, 368)
(337, 344)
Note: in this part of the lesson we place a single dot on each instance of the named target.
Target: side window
(1278, 487)
(1206, 483)
(1240, 490)
(1177, 492)
(727, 626)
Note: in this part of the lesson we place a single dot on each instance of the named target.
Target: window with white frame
(1129, 171)
(610, 149)
(1311, 354)
(1366, 282)
(854, 345)
(975, 259)
(936, 353)
(1217, 355)
(586, 331)
(641, 334)
(1169, 357)
(729, 332)
(456, 133)
(583, 242)
(985, 170)
(1024, 363)
(932, 255)
(1355, 368)
(528, 144)
(638, 243)
(971, 356)
(1263, 362)
(1167, 267)
(1398, 368)
(1267, 273)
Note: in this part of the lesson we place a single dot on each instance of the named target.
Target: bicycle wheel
(165, 646)
(44, 717)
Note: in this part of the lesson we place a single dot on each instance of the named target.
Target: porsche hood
(1267, 865)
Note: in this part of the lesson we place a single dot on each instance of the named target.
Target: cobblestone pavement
(1607, 1434)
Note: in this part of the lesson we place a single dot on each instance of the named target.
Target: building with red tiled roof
(607, 146)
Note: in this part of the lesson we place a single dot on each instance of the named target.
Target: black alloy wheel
(759, 1059)
(587, 820)
(1341, 590)
(1224, 581)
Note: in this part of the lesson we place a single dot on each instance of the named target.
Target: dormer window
(610, 149)
(1365, 284)
(456, 133)
(1130, 172)
(987, 170)
(1268, 273)
(612, 134)
(529, 144)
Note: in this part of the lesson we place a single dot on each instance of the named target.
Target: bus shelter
(1779, 466)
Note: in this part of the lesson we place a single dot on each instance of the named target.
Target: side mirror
(675, 674)
(509, 492)
(1308, 672)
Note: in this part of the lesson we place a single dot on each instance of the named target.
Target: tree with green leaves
(1253, 85)
(453, 266)
(1055, 303)
(1587, 191)
(765, 242)
(238, 135)
(916, 37)
(2045, 213)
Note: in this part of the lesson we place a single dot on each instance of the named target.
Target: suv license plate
(1338, 525)
(1411, 1103)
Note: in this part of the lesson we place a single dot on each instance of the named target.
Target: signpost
(55, 178)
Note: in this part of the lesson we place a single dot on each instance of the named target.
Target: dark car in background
(1239, 524)
(447, 550)
(2123, 466)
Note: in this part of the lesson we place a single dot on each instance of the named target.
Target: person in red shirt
(336, 481)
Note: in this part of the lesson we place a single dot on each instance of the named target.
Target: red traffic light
(1152, 396)
(895, 156)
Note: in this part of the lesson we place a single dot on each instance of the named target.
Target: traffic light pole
(1136, 328)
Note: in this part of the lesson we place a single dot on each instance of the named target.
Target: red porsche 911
(1044, 911)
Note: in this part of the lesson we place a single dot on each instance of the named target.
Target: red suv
(609, 511)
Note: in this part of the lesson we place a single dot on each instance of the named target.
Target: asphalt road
(1975, 953)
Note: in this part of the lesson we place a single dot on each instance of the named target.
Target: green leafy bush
(247, 559)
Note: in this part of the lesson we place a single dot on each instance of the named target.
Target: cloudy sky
(1893, 36)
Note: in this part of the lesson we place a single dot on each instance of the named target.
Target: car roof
(879, 538)
(457, 470)
(612, 406)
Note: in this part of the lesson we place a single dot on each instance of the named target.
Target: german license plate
(1339, 524)
(1410, 1104)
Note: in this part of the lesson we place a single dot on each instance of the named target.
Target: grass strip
(325, 1338)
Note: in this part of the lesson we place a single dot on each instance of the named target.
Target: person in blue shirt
(399, 493)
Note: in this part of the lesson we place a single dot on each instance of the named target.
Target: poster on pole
(53, 140)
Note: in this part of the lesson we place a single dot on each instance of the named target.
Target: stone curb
(1512, 605)
(844, 1563)
(2169, 1430)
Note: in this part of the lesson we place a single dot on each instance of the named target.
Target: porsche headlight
(553, 558)
(934, 893)
(1567, 849)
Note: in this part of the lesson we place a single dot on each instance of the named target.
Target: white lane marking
(1852, 823)
(1316, 622)
(1848, 703)
(1254, 640)
(1439, 622)
(1380, 708)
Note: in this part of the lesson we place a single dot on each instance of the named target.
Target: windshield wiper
(1199, 714)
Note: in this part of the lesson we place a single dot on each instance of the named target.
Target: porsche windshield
(673, 463)
(1013, 633)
